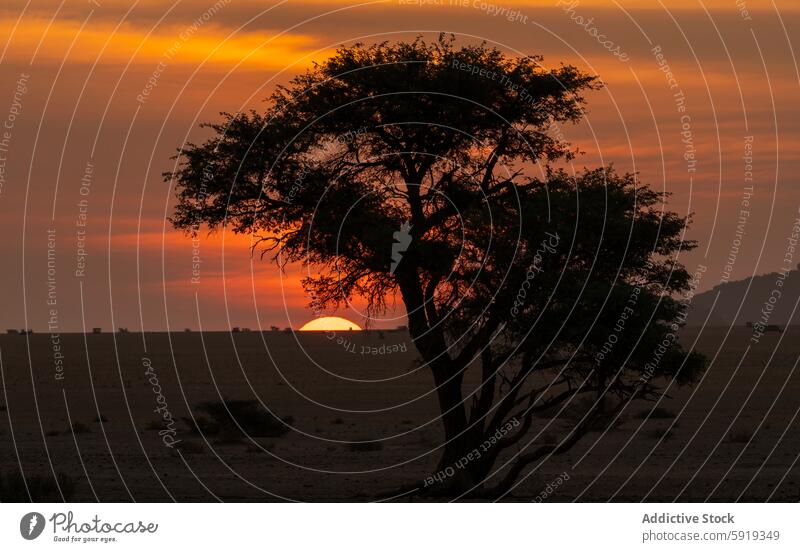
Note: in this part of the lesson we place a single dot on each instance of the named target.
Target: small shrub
(237, 416)
(337, 421)
(53, 433)
(739, 436)
(79, 427)
(100, 418)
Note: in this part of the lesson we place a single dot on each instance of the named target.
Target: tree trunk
(454, 419)
(448, 377)
(459, 467)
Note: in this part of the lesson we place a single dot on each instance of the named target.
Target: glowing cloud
(185, 44)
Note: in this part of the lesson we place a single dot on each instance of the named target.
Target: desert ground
(363, 420)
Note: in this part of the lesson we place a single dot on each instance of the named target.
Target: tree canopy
(550, 284)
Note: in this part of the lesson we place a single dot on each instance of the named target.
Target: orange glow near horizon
(330, 324)
(93, 64)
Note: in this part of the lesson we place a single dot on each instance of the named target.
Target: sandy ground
(734, 436)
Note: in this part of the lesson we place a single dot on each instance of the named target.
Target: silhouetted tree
(514, 269)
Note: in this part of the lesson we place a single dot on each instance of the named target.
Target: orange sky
(85, 66)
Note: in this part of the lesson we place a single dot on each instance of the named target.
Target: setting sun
(329, 324)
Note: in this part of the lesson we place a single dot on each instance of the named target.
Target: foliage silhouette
(515, 268)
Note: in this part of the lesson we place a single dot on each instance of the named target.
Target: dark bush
(241, 416)
(78, 427)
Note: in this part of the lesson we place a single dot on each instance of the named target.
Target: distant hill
(751, 295)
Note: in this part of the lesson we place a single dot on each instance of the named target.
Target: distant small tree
(513, 268)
